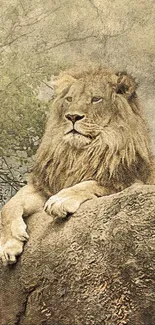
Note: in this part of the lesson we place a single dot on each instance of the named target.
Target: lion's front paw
(12, 240)
(10, 250)
(60, 206)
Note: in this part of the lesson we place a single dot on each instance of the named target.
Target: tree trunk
(95, 268)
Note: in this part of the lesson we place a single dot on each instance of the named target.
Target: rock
(95, 268)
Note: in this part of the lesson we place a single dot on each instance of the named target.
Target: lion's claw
(22, 237)
(9, 259)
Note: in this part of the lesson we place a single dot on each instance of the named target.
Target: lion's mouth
(76, 138)
(75, 132)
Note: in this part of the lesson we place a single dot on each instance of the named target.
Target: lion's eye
(68, 99)
(95, 100)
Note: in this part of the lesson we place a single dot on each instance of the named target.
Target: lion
(95, 143)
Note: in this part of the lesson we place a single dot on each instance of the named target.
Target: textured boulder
(95, 268)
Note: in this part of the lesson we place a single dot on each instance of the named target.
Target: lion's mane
(116, 158)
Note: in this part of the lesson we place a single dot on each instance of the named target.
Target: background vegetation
(22, 124)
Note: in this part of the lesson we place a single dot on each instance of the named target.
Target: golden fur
(95, 143)
(117, 150)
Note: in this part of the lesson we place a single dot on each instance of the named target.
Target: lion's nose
(74, 117)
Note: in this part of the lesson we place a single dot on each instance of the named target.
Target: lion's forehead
(89, 88)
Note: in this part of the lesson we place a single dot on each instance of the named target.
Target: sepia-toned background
(38, 38)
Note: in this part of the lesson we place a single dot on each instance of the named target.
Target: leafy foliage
(22, 123)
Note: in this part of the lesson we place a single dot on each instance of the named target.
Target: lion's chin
(76, 140)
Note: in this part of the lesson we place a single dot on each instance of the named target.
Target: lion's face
(86, 106)
(86, 110)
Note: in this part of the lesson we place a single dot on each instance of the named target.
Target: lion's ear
(126, 85)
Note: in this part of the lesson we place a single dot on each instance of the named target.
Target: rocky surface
(95, 268)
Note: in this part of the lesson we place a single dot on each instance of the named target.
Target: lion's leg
(69, 199)
(24, 203)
